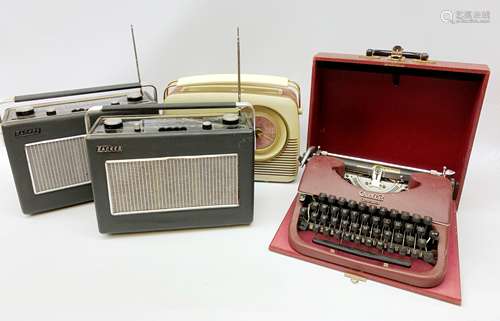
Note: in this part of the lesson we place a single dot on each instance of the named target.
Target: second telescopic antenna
(136, 57)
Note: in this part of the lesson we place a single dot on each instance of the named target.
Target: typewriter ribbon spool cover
(414, 114)
(277, 108)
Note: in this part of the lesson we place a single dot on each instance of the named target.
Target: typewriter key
(409, 241)
(323, 209)
(408, 228)
(303, 212)
(375, 220)
(355, 227)
(316, 228)
(380, 245)
(369, 241)
(390, 248)
(302, 198)
(372, 209)
(386, 223)
(334, 210)
(341, 201)
(405, 216)
(322, 198)
(352, 204)
(314, 216)
(357, 239)
(428, 257)
(376, 232)
(383, 212)
(387, 235)
(364, 218)
(344, 224)
(434, 235)
(362, 207)
(421, 243)
(354, 216)
(365, 229)
(323, 219)
(416, 219)
(333, 221)
(331, 199)
(415, 253)
(396, 248)
(403, 250)
(314, 206)
(427, 220)
(344, 213)
(326, 231)
(421, 230)
(398, 225)
(398, 238)
(337, 233)
(347, 236)
(394, 214)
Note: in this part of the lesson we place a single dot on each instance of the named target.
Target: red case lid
(413, 113)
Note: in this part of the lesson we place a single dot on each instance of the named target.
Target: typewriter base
(448, 290)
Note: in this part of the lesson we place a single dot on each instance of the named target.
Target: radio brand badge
(27, 132)
(372, 196)
(109, 148)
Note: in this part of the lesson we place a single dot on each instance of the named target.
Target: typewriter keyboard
(386, 235)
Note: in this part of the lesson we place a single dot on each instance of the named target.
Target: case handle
(398, 53)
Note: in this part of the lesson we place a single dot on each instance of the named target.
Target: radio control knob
(230, 119)
(113, 123)
(25, 111)
(206, 125)
(134, 97)
(51, 112)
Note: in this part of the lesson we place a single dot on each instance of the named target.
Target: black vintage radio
(182, 169)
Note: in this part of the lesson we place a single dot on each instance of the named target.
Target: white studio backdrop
(75, 273)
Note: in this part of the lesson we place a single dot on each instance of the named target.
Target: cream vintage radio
(277, 109)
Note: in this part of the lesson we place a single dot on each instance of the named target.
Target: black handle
(76, 92)
(156, 107)
(397, 53)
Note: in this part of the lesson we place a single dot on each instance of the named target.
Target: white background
(56, 266)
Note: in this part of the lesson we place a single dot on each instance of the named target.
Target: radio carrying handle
(398, 53)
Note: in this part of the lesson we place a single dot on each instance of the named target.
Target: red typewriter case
(390, 136)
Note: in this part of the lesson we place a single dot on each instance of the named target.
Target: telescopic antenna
(136, 57)
(239, 62)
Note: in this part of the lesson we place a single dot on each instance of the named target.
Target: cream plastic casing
(272, 96)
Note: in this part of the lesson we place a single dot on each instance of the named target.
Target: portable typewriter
(367, 215)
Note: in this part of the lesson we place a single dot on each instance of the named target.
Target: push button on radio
(230, 119)
(25, 111)
(207, 125)
(113, 123)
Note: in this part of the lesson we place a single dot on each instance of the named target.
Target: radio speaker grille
(172, 183)
(57, 164)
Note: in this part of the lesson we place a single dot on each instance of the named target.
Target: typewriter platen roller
(380, 218)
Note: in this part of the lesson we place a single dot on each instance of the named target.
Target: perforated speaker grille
(57, 164)
(172, 183)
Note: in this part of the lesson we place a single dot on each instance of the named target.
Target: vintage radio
(379, 199)
(277, 108)
(44, 136)
(175, 170)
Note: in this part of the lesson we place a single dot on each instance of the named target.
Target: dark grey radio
(191, 167)
(45, 139)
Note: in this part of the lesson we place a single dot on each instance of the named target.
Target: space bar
(357, 252)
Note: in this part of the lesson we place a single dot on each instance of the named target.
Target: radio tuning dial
(113, 123)
(230, 119)
(25, 111)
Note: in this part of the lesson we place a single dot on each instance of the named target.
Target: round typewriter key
(230, 119)
(362, 207)
(25, 111)
(408, 228)
(416, 219)
(113, 123)
(398, 238)
(316, 228)
(206, 125)
(333, 221)
(409, 241)
(403, 250)
(344, 224)
(387, 235)
(355, 227)
(375, 220)
(421, 243)
(428, 257)
(390, 248)
(396, 248)
(347, 236)
(314, 216)
(337, 233)
(380, 245)
(331, 199)
(386, 223)
(369, 241)
(421, 230)
(427, 220)
(376, 232)
(323, 208)
(51, 112)
(303, 211)
(326, 231)
(334, 210)
(365, 229)
(323, 218)
(434, 235)
(314, 206)
(354, 216)
(341, 201)
(415, 253)
(372, 209)
(405, 216)
(383, 211)
(344, 213)
(352, 204)
(357, 239)
(322, 197)
(365, 218)
(394, 214)
(398, 225)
